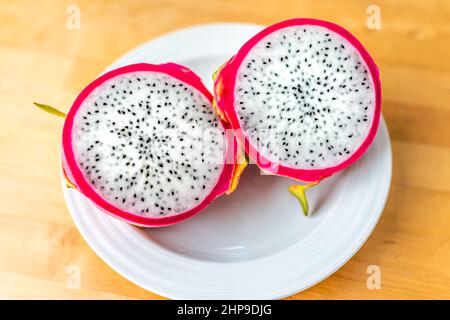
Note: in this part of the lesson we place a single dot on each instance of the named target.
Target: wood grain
(40, 59)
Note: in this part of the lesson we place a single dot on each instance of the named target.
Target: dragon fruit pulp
(303, 97)
(144, 144)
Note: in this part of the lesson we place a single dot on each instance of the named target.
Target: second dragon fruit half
(304, 99)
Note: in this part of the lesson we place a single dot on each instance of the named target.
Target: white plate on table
(255, 243)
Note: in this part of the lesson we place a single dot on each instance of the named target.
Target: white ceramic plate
(255, 243)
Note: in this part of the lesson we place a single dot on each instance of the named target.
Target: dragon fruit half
(144, 144)
(304, 99)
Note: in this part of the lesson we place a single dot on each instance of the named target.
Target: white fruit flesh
(149, 144)
(305, 97)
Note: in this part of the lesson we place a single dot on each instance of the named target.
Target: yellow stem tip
(298, 191)
(50, 109)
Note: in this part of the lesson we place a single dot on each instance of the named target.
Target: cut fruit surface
(303, 97)
(144, 143)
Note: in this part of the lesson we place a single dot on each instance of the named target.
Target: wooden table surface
(41, 59)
